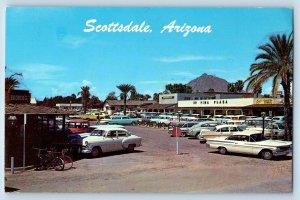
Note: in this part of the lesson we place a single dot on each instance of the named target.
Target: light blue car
(123, 120)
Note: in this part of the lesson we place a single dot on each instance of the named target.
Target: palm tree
(230, 87)
(125, 89)
(239, 85)
(85, 96)
(11, 82)
(276, 62)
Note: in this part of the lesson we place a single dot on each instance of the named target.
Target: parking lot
(156, 168)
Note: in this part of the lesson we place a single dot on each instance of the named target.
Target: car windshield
(257, 138)
(97, 132)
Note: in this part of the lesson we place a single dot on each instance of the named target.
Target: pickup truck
(110, 139)
(122, 120)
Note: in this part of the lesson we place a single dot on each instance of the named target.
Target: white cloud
(73, 41)
(185, 74)
(86, 83)
(188, 58)
(41, 72)
(160, 82)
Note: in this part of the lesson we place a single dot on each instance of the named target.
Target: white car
(220, 131)
(110, 139)
(251, 143)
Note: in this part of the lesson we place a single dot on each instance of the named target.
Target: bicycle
(49, 160)
(68, 161)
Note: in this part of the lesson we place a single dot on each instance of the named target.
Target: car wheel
(133, 123)
(198, 136)
(96, 151)
(222, 150)
(183, 134)
(267, 155)
(131, 148)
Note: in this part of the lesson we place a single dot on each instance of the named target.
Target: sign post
(25, 121)
(177, 142)
(176, 133)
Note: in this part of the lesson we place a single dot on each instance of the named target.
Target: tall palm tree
(125, 89)
(276, 62)
(85, 96)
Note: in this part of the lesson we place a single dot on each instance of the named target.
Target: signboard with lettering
(265, 101)
(19, 96)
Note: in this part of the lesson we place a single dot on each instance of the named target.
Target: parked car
(220, 131)
(78, 126)
(91, 128)
(278, 119)
(240, 123)
(251, 143)
(108, 140)
(184, 127)
(274, 130)
(94, 115)
(123, 120)
(195, 130)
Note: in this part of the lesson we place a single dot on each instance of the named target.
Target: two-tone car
(122, 120)
(195, 130)
(247, 142)
(110, 139)
(220, 131)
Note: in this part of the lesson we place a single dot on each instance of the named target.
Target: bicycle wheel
(58, 164)
(68, 162)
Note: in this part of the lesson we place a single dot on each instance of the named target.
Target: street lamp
(263, 115)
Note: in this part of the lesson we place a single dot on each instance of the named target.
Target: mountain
(204, 82)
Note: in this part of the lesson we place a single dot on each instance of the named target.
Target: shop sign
(265, 101)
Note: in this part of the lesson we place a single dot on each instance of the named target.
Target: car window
(97, 132)
(122, 133)
(233, 137)
(112, 133)
(233, 129)
(225, 129)
(257, 138)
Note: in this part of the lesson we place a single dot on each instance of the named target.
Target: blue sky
(56, 57)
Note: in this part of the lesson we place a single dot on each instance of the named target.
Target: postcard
(149, 100)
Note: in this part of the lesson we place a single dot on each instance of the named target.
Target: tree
(85, 95)
(275, 62)
(11, 82)
(211, 90)
(230, 87)
(94, 102)
(239, 85)
(111, 96)
(179, 88)
(156, 97)
(125, 89)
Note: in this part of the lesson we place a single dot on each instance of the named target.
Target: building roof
(158, 106)
(128, 103)
(20, 109)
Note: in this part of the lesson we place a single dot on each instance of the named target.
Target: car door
(121, 135)
(109, 141)
(242, 144)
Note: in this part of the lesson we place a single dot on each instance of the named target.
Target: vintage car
(248, 142)
(220, 131)
(195, 130)
(122, 120)
(184, 127)
(78, 126)
(95, 115)
(108, 140)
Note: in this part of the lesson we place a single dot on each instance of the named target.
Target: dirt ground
(156, 168)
